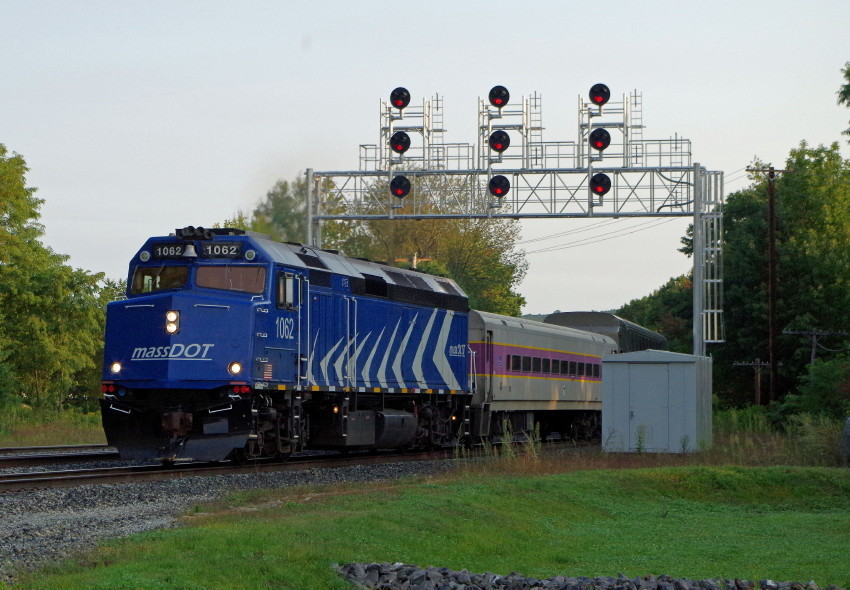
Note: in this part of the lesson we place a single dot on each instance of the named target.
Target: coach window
(573, 370)
(547, 365)
(581, 369)
(526, 364)
(535, 364)
(596, 370)
(286, 291)
(516, 363)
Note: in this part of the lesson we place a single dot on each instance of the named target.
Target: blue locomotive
(229, 344)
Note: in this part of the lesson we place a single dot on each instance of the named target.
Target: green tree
(825, 389)
(813, 244)
(50, 320)
(238, 221)
(844, 92)
(283, 213)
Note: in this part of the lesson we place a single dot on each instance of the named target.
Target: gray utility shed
(656, 401)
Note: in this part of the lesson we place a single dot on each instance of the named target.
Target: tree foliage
(813, 245)
(844, 92)
(282, 214)
(51, 317)
(824, 389)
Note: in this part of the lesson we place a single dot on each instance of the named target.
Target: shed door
(649, 407)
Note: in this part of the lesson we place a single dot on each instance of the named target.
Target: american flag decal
(267, 371)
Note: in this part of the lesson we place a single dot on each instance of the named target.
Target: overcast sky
(136, 118)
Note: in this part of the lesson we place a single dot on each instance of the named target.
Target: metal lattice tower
(548, 179)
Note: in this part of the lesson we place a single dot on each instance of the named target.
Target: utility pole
(814, 335)
(772, 279)
(757, 365)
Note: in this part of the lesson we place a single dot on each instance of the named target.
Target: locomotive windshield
(156, 278)
(245, 278)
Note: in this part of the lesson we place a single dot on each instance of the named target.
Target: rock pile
(399, 576)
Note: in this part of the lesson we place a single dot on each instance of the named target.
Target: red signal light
(499, 96)
(400, 142)
(399, 186)
(499, 141)
(600, 139)
(400, 98)
(600, 184)
(599, 94)
(499, 186)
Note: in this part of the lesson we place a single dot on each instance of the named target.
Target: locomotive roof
(324, 260)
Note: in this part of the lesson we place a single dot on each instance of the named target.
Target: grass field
(759, 504)
(21, 426)
(783, 523)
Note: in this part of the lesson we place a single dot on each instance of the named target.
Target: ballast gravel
(400, 576)
(41, 526)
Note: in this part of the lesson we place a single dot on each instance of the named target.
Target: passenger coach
(532, 373)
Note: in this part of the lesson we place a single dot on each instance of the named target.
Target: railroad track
(51, 449)
(75, 477)
(52, 455)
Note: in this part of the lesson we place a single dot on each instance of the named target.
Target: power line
(594, 240)
(570, 232)
(814, 335)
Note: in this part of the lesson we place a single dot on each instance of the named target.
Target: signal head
(499, 186)
(599, 94)
(400, 98)
(499, 141)
(400, 142)
(400, 186)
(600, 139)
(600, 184)
(499, 96)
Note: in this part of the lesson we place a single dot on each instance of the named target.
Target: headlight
(172, 321)
(115, 368)
(234, 368)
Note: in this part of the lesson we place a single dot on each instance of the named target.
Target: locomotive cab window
(158, 278)
(244, 278)
(287, 295)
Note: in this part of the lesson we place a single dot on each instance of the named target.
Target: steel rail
(51, 448)
(70, 478)
(22, 460)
